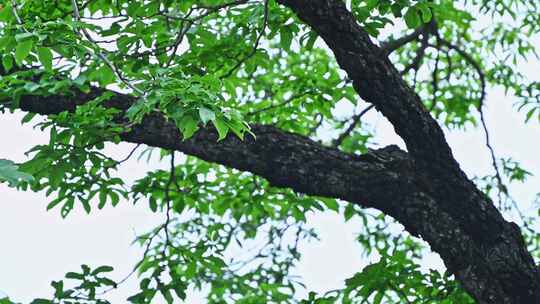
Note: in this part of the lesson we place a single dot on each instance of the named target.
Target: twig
(478, 68)
(420, 53)
(435, 82)
(285, 102)
(355, 120)
(390, 46)
(129, 155)
(172, 178)
(15, 10)
(145, 253)
(98, 51)
(180, 37)
(320, 118)
(255, 47)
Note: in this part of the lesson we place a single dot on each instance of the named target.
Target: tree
(241, 88)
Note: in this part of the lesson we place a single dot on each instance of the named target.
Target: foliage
(10, 173)
(229, 65)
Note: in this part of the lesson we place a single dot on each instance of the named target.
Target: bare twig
(172, 178)
(15, 10)
(355, 120)
(129, 155)
(132, 272)
(435, 82)
(184, 28)
(390, 46)
(420, 53)
(319, 118)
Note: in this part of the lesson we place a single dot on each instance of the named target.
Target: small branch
(132, 272)
(450, 67)
(390, 46)
(319, 118)
(129, 155)
(98, 51)
(184, 28)
(16, 14)
(473, 63)
(420, 53)
(172, 178)
(255, 47)
(285, 102)
(355, 120)
(435, 82)
(212, 9)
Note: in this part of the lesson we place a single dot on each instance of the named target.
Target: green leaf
(331, 204)
(86, 206)
(396, 10)
(7, 62)
(425, 12)
(106, 75)
(28, 117)
(153, 204)
(101, 269)
(221, 127)
(75, 276)
(412, 19)
(22, 50)
(115, 199)
(349, 212)
(41, 301)
(23, 36)
(311, 38)
(45, 57)
(206, 115)
(188, 126)
(9, 173)
(6, 13)
(286, 37)
(102, 198)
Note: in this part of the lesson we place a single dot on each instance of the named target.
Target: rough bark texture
(494, 266)
(424, 189)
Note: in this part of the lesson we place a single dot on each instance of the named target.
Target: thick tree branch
(284, 159)
(500, 270)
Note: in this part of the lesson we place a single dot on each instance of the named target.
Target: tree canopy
(239, 98)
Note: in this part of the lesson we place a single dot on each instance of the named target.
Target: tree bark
(495, 267)
(423, 189)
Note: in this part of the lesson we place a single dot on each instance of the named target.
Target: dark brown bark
(495, 266)
(424, 189)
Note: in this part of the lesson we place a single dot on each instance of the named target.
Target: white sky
(38, 246)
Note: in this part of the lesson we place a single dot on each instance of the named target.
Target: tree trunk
(485, 252)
